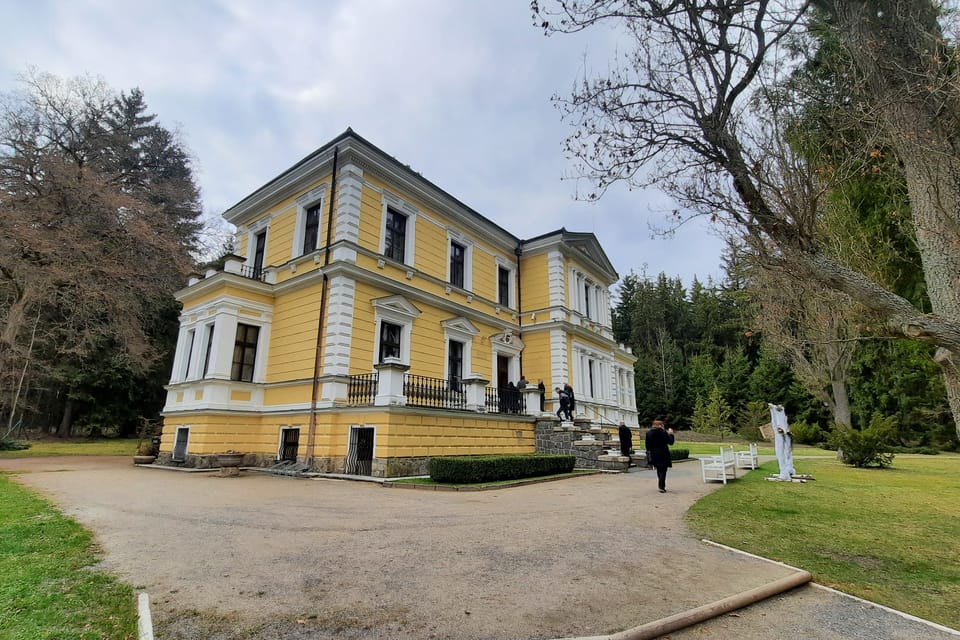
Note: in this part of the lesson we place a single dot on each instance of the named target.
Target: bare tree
(815, 329)
(84, 255)
(695, 104)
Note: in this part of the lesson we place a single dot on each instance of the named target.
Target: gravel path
(271, 557)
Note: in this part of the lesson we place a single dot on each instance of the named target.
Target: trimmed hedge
(679, 454)
(474, 469)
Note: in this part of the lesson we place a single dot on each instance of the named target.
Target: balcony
(392, 385)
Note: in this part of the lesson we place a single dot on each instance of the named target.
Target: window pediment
(460, 325)
(396, 306)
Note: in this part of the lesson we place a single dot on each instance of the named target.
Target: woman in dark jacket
(658, 441)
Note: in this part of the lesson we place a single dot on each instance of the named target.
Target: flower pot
(230, 463)
(144, 459)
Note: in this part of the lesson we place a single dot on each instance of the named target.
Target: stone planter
(230, 463)
(144, 459)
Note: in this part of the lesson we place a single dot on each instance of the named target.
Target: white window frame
(454, 236)
(260, 226)
(394, 310)
(400, 206)
(511, 282)
(309, 200)
(191, 340)
(463, 331)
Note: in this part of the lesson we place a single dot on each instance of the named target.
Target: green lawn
(891, 536)
(48, 589)
(58, 447)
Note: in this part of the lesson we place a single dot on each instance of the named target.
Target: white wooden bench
(721, 467)
(748, 459)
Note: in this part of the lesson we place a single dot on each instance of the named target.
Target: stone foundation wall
(588, 444)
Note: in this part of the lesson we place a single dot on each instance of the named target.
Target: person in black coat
(573, 399)
(658, 441)
(626, 438)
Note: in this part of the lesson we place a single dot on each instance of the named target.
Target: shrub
(804, 433)
(872, 446)
(679, 454)
(474, 469)
(927, 451)
(751, 433)
(13, 445)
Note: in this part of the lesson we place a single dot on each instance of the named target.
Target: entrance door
(360, 452)
(503, 371)
(289, 442)
(180, 444)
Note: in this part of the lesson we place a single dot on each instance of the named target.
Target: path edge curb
(817, 585)
(144, 619)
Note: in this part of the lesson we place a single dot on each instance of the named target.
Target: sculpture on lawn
(782, 441)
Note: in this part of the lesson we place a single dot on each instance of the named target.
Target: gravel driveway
(271, 557)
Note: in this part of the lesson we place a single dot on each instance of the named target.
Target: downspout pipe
(519, 252)
(318, 354)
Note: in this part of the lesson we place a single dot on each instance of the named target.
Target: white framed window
(306, 233)
(398, 229)
(257, 236)
(394, 327)
(458, 334)
(245, 352)
(191, 339)
(207, 349)
(506, 283)
(460, 260)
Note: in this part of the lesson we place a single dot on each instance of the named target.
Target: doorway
(360, 451)
(180, 444)
(503, 371)
(289, 443)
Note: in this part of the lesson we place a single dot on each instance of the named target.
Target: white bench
(721, 467)
(748, 459)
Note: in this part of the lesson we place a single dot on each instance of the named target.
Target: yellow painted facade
(381, 304)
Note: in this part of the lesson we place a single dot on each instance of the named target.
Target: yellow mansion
(371, 321)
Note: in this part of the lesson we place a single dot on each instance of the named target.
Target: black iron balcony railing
(362, 389)
(504, 400)
(422, 391)
(437, 393)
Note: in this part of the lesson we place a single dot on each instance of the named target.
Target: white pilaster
(339, 334)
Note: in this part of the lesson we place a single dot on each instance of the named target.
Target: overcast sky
(457, 89)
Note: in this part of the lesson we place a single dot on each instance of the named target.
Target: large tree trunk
(66, 422)
(841, 402)
(907, 74)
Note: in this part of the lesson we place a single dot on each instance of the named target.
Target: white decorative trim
(223, 313)
(459, 328)
(349, 195)
(339, 332)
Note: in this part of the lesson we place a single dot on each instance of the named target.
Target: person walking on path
(658, 441)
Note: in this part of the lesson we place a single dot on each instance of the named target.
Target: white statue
(782, 441)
